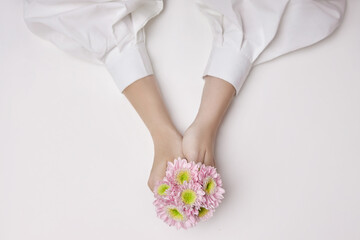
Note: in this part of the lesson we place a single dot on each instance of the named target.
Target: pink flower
(173, 215)
(190, 196)
(182, 171)
(204, 214)
(163, 189)
(212, 186)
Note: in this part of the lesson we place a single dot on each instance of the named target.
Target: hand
(167, 147)
(199, 139)
(198, 143)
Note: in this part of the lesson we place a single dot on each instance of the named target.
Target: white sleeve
(101, 31)
(247, 33)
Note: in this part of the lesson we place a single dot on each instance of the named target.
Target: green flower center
(183, 176)
(209, 186)
(175, 214)
(162, 189)
(188, 196)
(203, 211)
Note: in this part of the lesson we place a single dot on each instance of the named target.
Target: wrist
(161, 132)
(208, 125)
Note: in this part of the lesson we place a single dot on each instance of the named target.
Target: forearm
(216, 98)
(144, 95)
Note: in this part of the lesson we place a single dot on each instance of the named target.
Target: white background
(75, 156)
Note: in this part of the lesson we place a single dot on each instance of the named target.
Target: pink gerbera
(190, 196)
(163, 189)
(204, 214)
(212, 186)
(173, 215)
(189, 193)
(182, 171)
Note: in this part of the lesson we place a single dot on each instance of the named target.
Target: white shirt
(246, 32)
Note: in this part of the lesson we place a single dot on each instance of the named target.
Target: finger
(209, 159)
(192, 156)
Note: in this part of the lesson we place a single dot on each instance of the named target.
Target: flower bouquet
(188, 193)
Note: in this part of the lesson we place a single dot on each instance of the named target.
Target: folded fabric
(100, 31)
(246, 32)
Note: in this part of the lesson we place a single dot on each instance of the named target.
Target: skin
(145, 96)
(198, 141)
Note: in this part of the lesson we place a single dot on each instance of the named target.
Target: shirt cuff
(128, 65)
(229, 64)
